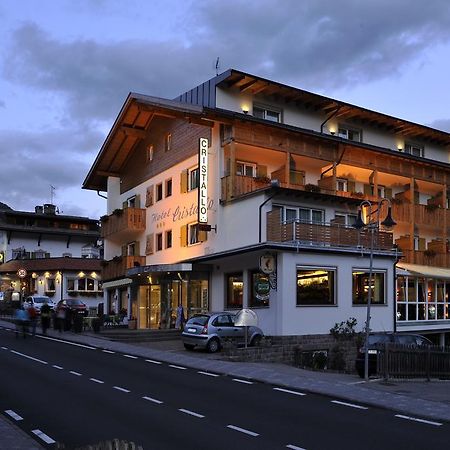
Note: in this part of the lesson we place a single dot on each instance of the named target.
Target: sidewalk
(418, 398)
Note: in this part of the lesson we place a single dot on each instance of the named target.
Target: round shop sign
(21, 273)
(262, 289)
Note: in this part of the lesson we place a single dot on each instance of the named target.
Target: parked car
(377, 340)
(37, 301)
(209, 330)
(72, 306)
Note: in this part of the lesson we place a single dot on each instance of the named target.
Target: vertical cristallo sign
(203, 181)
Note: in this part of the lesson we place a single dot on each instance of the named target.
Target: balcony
(123, 224)
(116, 267)
(324, 235)
(427, 215)
(426, 258)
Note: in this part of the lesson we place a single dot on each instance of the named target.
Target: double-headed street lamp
(373, 225)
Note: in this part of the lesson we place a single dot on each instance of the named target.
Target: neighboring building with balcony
(46, 253)
(286, 172)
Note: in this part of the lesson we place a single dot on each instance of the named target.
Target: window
(345, 219)
(40, 254)
(414, 149)
(361, 287)
(149, 153)
(169, 239)
(90, 284)
(341, 184)
(169, 187)
(315, 286)
(131, 202)
(168, 142)
(159, 242)
(70, 284)
(259, 289)
(349, 133)
(247, 169)
(159, 192)
(262, 112)
(306, 215)
(81, 284)
(193, 234)
(235, 289)
(50, 284)
(193, 179)
(131, 249)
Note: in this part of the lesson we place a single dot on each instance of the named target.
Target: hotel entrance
(159, 299)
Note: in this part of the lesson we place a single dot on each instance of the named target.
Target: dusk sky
(67, 66)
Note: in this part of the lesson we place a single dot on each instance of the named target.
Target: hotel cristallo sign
(203, 180)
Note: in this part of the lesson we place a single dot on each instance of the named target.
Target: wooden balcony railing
(423, 214)
(426, 258)
(116, 267)
(242, 185)
(123, 223)
(324, 235)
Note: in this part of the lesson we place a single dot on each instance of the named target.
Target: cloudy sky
(66, 67)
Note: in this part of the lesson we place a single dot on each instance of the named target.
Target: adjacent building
(51, 254)
(243, 193)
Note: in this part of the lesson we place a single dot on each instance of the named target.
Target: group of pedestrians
(25, 318)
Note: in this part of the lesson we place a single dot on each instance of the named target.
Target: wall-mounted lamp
(245, 109)
(333, 132)
(399, 148)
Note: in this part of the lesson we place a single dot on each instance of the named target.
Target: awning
(424, 271)
(117, 283)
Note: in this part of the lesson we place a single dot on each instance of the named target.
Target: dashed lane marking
(153, 361)
(154, 400)
(4, 348)
(242, 381)
(191, 413)
(108, 351)
(96, 381)
(121, 389)
(14, 415)
(78, 374)
(131, 356)
(351, 405)
(57, 367)
(47, 439)
(287, 391)
(177, 367)
(208, 373)
(242, 430)
(294, 447)
(29, 357)
(66, 342)
(415, 419)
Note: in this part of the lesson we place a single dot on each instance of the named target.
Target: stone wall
(312, 351)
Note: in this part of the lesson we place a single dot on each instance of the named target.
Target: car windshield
(74, 302)
(40, 299)
(198, 320)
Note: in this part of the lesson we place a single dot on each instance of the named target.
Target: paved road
(79, 394)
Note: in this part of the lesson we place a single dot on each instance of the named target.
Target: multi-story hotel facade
(242, 193)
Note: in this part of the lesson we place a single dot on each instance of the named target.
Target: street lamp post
(372, 225)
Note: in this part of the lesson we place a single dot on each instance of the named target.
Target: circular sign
(267, 263)
(21, 273)
(262, 289)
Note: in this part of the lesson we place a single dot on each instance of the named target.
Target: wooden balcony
(426, 258)
(123, 224)
(423, 214)
(116, 267)
(324, 235)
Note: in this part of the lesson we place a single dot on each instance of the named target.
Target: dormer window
(263, 112)
(414, 149)
(351, 134)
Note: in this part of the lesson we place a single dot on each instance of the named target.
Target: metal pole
(369, 300)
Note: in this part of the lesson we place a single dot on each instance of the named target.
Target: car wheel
(256, 341)
(213, 345)
(189, 346)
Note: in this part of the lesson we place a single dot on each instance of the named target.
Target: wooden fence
(404, 361)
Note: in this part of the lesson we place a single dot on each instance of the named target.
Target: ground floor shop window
(361, 287)
(316, 286)
(235, 289)
(259, 289)
(422, 299)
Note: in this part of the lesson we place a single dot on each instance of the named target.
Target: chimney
(39, 209)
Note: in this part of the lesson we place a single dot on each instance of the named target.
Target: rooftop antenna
(217, 65)
(52, 193)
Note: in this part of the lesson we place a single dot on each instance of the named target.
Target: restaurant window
(50, 284)
(70, 284)
(235, 289)
(361, 287)
(90, 284)
(316, 286)
(81, 284)
(266, 113)
(259, 290)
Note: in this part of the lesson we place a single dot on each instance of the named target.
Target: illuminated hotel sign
(203, 181)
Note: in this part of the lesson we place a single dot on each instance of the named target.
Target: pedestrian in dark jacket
(45, 317)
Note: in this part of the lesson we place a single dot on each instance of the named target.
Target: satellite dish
(246, 318)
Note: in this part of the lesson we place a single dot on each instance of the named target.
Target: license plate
(191, 330)
(372, 352)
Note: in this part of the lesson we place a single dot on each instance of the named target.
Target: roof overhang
(423, 271)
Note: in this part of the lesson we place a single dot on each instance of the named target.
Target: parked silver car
(209, 330)
(37, 301)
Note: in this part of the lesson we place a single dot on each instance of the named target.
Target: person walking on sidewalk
(33, 315)
(21, 319)
(45, 317)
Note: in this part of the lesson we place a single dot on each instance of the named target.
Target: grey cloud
(441, 124)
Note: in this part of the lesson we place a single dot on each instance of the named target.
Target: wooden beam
(104, 173)
(202, 122)
(135, 132)
(247, 85)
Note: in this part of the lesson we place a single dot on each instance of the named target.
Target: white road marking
(96, 381)
(131, 356)
(4, 348)
(57, 367)
(243, 430)
(242, 381)
(192, 413)
(65, 342)
(208, 373)
(153, 361)
(294, 447)
(121, 389)
(43, 436)
(78, 374)
(108, 351)
(177, 367)
(351, 405)
(29, 357)
(415, 419)
(14, 415)
(288, 391)
(152, 400)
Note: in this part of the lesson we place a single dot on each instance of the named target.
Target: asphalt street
(77, 394)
